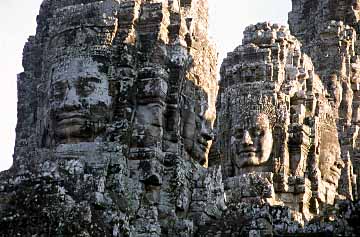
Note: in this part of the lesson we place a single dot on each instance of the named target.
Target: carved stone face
(330, 162)
(252, 145)
(335, 89)
(80, 101)
(197, 131)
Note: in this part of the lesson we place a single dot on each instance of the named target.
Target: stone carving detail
(280, 143)
(123, 129)
(252, 144)
(116, 108)
(332, 44)
(79, 100)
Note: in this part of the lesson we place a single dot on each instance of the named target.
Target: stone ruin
(279, 144)
(123, 129)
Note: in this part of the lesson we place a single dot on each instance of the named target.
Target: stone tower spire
(329, 31)
(116, 106)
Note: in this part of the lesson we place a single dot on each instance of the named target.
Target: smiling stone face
(330, 162)
(252, 144)
(80, 101)
(197, 129)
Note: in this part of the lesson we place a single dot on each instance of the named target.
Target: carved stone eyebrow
(61, 81)
(89, 79)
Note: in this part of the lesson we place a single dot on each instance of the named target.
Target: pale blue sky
(228, 18)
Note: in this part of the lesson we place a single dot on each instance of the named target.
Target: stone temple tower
(329, 33)
(116, 108)
(124, 130)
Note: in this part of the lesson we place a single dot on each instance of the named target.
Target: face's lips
(333, 175)
(71, 118)
(248, 149)
(71, 121)
(201, 144)
(202, 141)
(335, 171)
(69, 115)
(203, 147)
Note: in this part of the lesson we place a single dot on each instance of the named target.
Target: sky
(228, 19)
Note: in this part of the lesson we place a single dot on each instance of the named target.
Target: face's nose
(207, 134)
(339, 164)
(246, 140)
(206, 131)
(71, 99)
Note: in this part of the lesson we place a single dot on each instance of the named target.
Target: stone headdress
(251, 106)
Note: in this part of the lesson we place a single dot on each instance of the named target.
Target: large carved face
(330, 162)
(197, 129)
(80, 101)
(335, 89)
(252, 144)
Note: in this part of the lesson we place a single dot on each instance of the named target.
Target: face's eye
(258, 132)
(239, 133)
(87, 85)
(59, 89)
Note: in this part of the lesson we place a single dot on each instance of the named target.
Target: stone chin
(250, 156)
(332, 176)
(198, 151)
(245, 159)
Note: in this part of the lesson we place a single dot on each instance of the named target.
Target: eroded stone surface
(116, 108)
(279, 145)
(116, 132)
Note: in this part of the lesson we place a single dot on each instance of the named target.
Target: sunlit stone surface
(123, 129)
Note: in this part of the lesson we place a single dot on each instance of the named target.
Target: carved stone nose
(246, 140)
(71, 99)
(339, 164)
(207, 135)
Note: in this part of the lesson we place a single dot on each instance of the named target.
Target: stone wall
(116, 106)
(277, 137)
(123, 129)
(328, 31)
